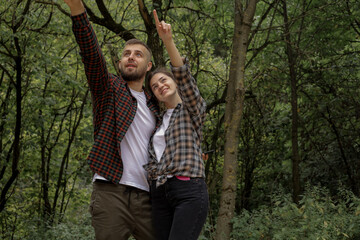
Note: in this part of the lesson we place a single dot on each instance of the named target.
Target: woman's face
(163, 87)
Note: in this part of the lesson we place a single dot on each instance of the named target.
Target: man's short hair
(135, 41)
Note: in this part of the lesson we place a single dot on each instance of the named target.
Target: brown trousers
(119, 211)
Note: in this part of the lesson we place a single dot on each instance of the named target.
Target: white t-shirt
(159, 137)
(134, 146)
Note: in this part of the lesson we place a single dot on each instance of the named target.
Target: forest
(281, 79)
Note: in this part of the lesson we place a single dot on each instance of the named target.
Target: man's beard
(134, 76)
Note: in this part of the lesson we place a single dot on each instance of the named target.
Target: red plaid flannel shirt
(114, 107)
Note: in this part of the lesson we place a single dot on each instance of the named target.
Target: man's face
(134, 62)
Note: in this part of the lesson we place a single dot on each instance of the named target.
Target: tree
(291, 45)
(244, 13)
(14, 50)
(36, 116)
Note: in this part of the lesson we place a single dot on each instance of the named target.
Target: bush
(317, 216)
(67, 231)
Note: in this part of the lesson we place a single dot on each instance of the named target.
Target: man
(124, 118)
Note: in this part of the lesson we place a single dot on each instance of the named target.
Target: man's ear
(149, 66)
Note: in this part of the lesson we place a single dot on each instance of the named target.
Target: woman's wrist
(77, 10)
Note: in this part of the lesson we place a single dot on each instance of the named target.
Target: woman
(176, 171)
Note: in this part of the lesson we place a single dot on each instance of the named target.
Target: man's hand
(76, 7)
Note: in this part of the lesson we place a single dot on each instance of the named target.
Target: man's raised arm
(92, 57)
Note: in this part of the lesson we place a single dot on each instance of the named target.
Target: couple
(136, 149)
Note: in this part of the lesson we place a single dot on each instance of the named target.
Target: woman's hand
(76, 7)
(163, 29)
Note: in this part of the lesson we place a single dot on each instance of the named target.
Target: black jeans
(179, 208)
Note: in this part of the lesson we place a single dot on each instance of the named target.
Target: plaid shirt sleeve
(92, 57)
(112, 106)
(190, 94)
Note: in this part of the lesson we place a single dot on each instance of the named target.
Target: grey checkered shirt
(182, 154)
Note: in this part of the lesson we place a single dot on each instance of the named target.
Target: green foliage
(80, 229)
(318, 216)
(54, 88)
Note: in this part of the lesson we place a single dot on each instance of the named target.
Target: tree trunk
(233, 114)
(4, 112)
(294, 107)
(15, 147)
(16, 144)
(153, 42)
